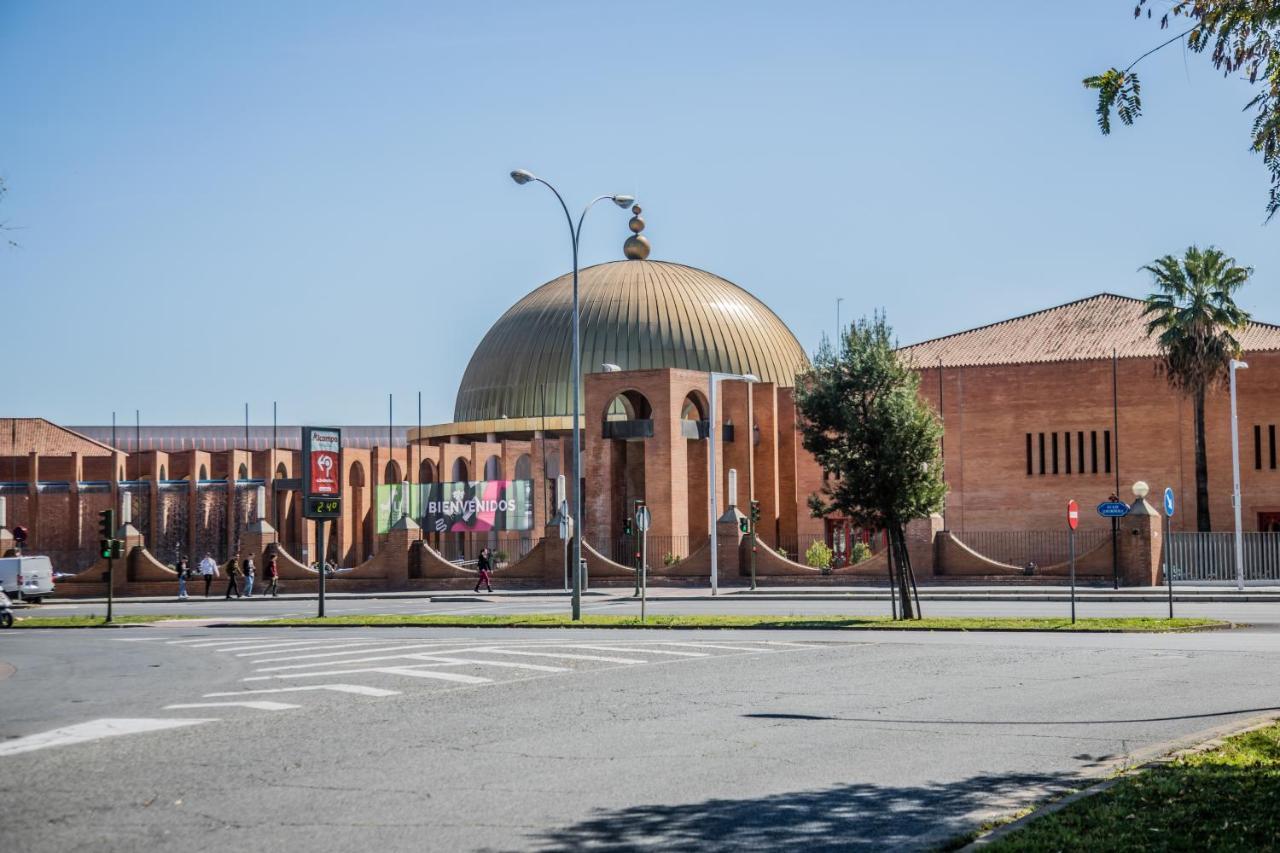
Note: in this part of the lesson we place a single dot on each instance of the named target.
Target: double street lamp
(1235, 472)
(520, 176)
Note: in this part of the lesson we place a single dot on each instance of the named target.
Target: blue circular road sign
(1168, 501)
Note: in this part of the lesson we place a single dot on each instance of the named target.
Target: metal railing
(796, 547)
(465, 547)
(1212, 556)
(663, 550)
(1020, 547)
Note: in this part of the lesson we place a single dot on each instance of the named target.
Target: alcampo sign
(321, 472)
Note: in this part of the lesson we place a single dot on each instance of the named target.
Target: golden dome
(638, 314)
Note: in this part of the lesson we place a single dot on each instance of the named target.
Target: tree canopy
(1242, 37)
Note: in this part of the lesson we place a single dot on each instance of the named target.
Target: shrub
(669, 559)
(858, 552)
(499, 556)
(818, 556)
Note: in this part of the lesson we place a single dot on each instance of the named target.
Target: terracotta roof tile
(20, 436)
(1086, 329)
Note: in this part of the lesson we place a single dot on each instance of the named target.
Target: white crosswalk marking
(350, 660)
(206, 643)
(400, 647)
(263, 705)
(358, 689)
(564, 655)
(91, 731)
(644, 651)
(504, 664)
(431, 673)
(716, 646)
(310, 647)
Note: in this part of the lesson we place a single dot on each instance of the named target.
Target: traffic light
(117, 549)
(755, 512)
(104, 548)
(107, 524)
(744, 526)
(626, 526)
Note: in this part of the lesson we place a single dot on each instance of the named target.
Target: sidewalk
(1225, 593)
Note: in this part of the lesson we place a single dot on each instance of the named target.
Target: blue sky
(308, 202)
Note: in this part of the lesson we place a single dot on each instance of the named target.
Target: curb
(1139, 762)
(797, 627)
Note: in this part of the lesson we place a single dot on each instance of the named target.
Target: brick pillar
(400, 539)
(1140, 545)
(921, 535)
(731, 544)
(255, 540)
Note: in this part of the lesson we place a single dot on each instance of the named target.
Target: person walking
(249, 572)
(273, 576)
(484, 564)
(183, 572)
(209, 571)
(233, 572)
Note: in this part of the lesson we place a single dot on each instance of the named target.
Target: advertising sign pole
(321, 488)
(1073, 519)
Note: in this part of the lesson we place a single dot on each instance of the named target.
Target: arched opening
(695, 426)
(243, 473)
(523, 488)
(426, 471)
(493, 468)
(460, 472)
(164, 473)
(361, 529)
(282, 505)
(391, 474)
(204, 473)
(628, 423)
(524, 467)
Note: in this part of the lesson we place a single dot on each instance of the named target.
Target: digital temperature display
(323, 508)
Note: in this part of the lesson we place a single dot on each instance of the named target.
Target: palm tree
(1194, 316)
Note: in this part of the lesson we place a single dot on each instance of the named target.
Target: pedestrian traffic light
(626, 526)
(107, 524)
(104, 548)
(117, 549)
(744, 526)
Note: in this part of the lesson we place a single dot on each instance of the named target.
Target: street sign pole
(1115, 553)
(643, 520)
(111, 585)
(320, 554)
(1168, 574)
(321, 489)
(1073, 518)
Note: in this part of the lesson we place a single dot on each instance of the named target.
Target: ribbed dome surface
(639, 315)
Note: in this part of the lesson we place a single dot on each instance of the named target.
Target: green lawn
(86, 621)
(562, 620)
(1225, 799)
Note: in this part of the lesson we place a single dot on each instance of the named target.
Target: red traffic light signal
(107, 524)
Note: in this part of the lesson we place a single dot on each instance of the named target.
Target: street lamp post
(520, 176)
(1235, 472)
(713, 428)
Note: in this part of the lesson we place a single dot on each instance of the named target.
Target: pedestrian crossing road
(278, 673)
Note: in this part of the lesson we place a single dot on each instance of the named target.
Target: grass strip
(562, 620)
(1223, 799)
(88, 621)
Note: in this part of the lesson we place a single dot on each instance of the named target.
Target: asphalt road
(191, 739)
(1264, 614)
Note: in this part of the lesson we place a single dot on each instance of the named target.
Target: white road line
(793, 645)
(311, 648)
(91, 731)
(205, 642)
(430, 673)
(262, 705)
(392, 670)
(358, 689)
(135, 639)
(644, 651)
(373, 659)
(405, 645)
(717, 646)
(601, 658)
(507, 664)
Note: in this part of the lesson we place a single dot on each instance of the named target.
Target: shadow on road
(844, 817)
(811, 717)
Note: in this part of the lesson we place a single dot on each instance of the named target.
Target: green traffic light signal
(104, 548)
(743, 525)
(626, 526)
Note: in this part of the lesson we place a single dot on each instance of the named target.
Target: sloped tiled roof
(20, 436)
(1086, 329)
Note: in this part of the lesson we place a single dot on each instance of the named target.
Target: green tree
(1193, 317)
(863, 420)
(1243, 37)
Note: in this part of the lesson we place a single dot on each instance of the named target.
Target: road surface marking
(281, 645)
(793, 645)
(263, 705)
(445, 676)
(566, 656)
(430, 673)
(91, 731)
(358, 689)
(136, 639)
(717, 646)
(346, 661)
(312, 647)
(645, 651)
(405, 645)
(537, 667)
(205, 642)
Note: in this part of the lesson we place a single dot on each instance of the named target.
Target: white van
(26, 578)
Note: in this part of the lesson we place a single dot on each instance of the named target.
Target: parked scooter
(6, 614)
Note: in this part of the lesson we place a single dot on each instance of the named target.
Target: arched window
(628, 406)
(204, 473)
(426, 471)
(281, 471)
(164, 473)
(357, 475)
(243, 474)
(460, 473)
(391, 474)
(524, 467)
(493, 468)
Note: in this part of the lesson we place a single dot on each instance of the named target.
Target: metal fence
(796, 547)
(465, 547)
(1020, 547)
(1212, 556)
(663, 550)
